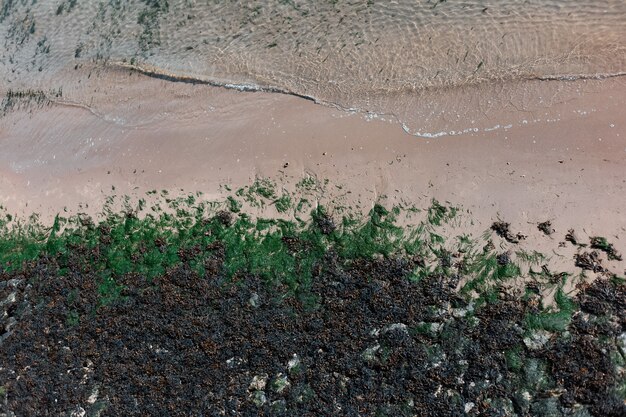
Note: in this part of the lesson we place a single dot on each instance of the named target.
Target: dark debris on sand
(589, 261)
(570, 236)
(546, 227)
(503, 229)
(606, 247)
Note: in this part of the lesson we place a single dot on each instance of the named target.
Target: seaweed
(193, 309)
(606, 247)
(589, 261)
(502, 229)
(546, 227)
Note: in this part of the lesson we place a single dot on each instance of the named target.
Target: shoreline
(313, 208)
(140, 134)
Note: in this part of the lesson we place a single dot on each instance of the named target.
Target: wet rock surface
(364, 340)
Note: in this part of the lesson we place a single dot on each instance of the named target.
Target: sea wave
(418, 61)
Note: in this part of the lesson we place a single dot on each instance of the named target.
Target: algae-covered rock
(537, 339)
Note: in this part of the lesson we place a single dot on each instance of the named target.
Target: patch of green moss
(553, 321)
(514, 360)
(283, 203)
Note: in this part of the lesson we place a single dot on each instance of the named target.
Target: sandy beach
(311, 208)
(139, 133)
(529, 302)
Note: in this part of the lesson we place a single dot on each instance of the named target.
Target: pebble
(258, 382)
(537, 339)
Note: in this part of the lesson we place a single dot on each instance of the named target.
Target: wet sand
(140, 134)
(377, 56)
(514, 112)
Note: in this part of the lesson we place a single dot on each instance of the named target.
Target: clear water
(427, 63)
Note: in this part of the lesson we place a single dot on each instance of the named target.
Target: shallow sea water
(436, 66)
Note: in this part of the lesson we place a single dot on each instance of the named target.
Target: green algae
(285, 253)
(553, 319)
(221, 240)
